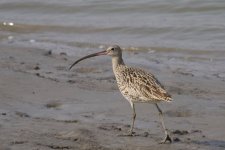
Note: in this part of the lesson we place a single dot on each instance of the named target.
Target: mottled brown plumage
(136, 85)
(140, 86)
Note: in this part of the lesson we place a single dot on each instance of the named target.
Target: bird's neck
(117, 61)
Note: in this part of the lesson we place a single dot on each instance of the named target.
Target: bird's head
(113, 51)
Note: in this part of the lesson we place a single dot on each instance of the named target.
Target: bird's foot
(167, 138)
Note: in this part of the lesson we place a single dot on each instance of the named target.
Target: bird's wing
(145, 84)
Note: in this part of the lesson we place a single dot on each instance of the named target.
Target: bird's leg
(131, 133)
(167, 137)
(133, 119)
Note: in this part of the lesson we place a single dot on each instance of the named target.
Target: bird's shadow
(211, 143)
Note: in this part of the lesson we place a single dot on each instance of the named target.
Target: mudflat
(44, 106)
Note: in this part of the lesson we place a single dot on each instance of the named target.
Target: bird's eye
(112, 49)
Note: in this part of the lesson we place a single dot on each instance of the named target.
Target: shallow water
(188, 33)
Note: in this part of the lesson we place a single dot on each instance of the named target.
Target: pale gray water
(188, 31)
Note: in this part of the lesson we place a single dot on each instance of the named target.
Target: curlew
(136, 85)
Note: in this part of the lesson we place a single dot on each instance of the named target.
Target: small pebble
(36, 68)
(18, 142)
(127, 125)
(71, 81)
(48, 53)
(76, 139)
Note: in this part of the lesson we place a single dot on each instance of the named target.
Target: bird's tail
(168, 97)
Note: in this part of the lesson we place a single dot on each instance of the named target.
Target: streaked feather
(138, 85)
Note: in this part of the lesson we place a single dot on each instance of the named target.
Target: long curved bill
(88, 56)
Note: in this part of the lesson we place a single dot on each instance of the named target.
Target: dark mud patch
(110, 127)
(187, 136)
(176, 139)
(180, 132)
(37, 67)
(54, 146)
(53, 104)
(44, 77)
(3, 114)
(211, 143)
(144, 134)
(122, 130)
(114, 127)
(71, 81)
(68, 121)
(55, 120)
(185, 132)
(22, 114)
(18, 142)
(47, 53)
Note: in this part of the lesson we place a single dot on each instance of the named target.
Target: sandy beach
(43, 106)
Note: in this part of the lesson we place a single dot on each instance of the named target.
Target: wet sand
(44, 106)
